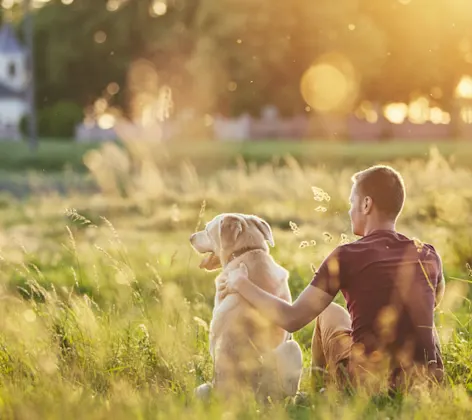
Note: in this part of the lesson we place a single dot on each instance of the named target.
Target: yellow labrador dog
(248, 351)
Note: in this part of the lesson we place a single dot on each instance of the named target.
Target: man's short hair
(385, 186)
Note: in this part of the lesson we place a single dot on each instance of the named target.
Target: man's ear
(230, 228)
(264, 228)
(211, 262)
(367, 205)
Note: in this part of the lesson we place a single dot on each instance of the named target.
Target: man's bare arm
(291, 317)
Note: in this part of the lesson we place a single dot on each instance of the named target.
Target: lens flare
(159, 8)
(329, 85)
(396, 112)
(106, 121)
(464, 88)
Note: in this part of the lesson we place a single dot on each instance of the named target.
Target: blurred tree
(81, 48)
(84, 46)
(234, 56)
(252, 53)
(422, 48)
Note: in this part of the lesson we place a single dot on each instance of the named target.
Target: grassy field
(56, 156)
(105, 313)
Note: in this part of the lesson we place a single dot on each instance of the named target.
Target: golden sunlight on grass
(104, 307)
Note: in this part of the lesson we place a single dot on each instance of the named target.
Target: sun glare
(113, 88)
(366, 112)
(418, 111)
(113, 5)
(466, 114)
(436, 115)
(464, 88)
(159, 8)
(106, 121)
(329, 85)
(100, 37)
(324, 87)
(396, 112)
(7, 4)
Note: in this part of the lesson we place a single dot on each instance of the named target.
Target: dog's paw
(203, 392)
(301, 399)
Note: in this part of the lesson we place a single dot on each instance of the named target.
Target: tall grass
(105, 314)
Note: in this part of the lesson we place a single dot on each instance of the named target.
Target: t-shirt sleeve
(438, 266)
(328, 277)
(440, 281)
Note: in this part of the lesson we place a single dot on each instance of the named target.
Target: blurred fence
(248, 128)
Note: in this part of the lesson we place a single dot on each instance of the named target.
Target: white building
(13, 83)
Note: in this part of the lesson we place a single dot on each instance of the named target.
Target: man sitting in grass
(391, 285)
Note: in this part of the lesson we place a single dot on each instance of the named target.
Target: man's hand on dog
(233, 280)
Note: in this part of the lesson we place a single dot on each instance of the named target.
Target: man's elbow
(298, 318)
(290, 328)
(294, 325)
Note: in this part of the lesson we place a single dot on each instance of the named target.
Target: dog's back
(240, 335)
(243, 343)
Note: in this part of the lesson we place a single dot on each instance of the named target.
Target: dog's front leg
(289, 365)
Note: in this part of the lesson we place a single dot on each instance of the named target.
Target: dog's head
(228, 233)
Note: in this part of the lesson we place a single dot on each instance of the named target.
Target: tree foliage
(234, 56)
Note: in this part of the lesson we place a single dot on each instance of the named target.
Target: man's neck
(379, 225)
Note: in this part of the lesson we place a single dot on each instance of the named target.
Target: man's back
(389, 283)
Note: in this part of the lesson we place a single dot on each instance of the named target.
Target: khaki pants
(333, 350)
(332, 342)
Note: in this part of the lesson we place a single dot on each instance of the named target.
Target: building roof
(9, 43)
(9, 93)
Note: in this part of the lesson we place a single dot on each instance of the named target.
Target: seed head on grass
(200, 215)
(320, 195)
(72, 241)
(306, 244)
(112, 229)
(328, 238)
(73, 215)
(469, 269)
(294, 228)
(419, 244)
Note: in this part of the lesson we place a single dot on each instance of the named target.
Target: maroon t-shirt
(389, 282)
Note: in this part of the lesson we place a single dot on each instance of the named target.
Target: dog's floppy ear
(211, 262)
(230, 228)
(265, 229)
